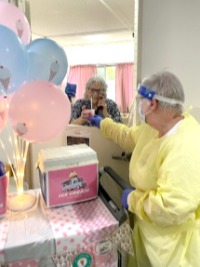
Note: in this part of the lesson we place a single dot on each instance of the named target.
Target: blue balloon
(13, 61)
(47, 61)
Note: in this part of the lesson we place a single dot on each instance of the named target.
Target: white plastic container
(68, 174)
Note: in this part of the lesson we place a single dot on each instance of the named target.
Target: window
(108, 73)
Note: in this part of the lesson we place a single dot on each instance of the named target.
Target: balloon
(13, 61)
(13, 18)
(39, 111)
(3, 112)
(47, 61)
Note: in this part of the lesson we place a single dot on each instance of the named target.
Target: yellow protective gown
(166, 202)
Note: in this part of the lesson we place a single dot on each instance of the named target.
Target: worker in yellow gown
(165, 171)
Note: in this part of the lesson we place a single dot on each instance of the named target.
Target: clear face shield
(148, 94)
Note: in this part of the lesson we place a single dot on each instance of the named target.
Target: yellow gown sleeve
(126, 137)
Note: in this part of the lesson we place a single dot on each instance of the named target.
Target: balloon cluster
(30, 72)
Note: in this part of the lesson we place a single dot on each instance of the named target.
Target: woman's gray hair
(97, 79)
(166, 84)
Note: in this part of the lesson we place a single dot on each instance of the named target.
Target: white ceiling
(81, 21)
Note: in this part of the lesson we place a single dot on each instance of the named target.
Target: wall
(101, 53)
(168, 38)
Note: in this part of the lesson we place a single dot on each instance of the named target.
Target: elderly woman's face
(95, 92)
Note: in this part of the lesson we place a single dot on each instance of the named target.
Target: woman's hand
(84, 115)
(102, 103)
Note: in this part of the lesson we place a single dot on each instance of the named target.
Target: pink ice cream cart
(89, 233)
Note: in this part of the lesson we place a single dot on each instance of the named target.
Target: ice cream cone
(5, 82)
(19, 26)
(52, 75)
(19, 33)
(21, 128)
(54, 67)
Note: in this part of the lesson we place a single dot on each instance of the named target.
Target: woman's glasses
(94, 90)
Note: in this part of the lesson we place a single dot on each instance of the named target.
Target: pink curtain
(79, 75)
(124, 85)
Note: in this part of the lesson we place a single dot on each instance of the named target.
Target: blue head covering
(70, 89)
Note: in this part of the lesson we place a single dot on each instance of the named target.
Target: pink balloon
(13, 18)
(39, 111)
(3, 112)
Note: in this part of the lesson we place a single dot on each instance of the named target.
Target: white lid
(66, 156)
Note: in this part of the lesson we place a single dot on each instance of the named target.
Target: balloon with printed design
(12, 17)
(13, 61)
(39, 111)
(47, 61)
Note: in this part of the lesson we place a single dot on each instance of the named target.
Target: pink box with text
(68, 174)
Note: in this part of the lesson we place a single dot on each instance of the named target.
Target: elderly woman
(95, 97)
(165, 174)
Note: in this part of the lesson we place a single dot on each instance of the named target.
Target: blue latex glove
(124, 198)
(96, 120)
(2, 169)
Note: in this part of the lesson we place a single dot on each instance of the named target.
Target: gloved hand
(124, 198)
(2, 169)
(96, 120)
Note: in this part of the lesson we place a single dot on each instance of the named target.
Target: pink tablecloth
(83, 230)
(73, 233)
(4, 226)
(79, 225)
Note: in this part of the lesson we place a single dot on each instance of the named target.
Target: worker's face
(95, 92)
(144, 108)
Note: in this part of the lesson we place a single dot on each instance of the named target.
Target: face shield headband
(150, 94)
